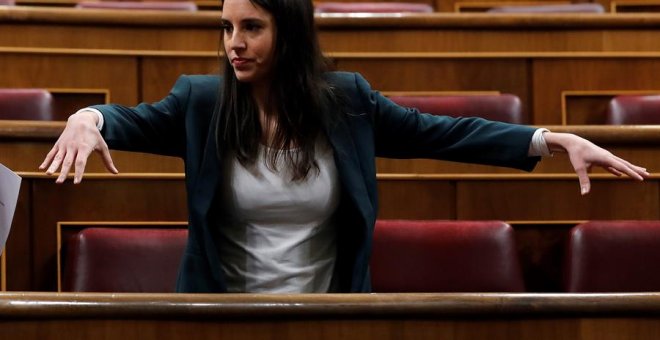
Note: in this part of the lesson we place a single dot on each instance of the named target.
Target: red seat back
(504, 108)
(188, 6)
(613, 256)
(123, 260)
(444, 256)
(635, 110)
(372, 7)
(26, 104)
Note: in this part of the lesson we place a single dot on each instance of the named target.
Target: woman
(280, 171)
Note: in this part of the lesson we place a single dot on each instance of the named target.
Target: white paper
(10, 184)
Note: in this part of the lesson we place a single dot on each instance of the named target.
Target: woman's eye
(252, 27)
(226, 28)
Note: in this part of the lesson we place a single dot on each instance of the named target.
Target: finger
(585, 184)
(640, 170)
(628, 170)
(107, 159)
(80, 164)
(614, 171)
(66, 165)
(49, 157)
(57, 160)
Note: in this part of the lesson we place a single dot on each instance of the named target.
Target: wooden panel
(158, 74)
(330, 316)
(633, 6)
(590, 107)
(410, 74)
(412, 199)
(27, 156)
(99, 200)
(68, 101)
(18, 253)
(557, 200)
(552, 77)
(117, 74)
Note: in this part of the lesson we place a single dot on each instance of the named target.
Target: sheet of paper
(10, 184)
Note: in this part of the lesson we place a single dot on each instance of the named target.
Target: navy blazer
(182, 125)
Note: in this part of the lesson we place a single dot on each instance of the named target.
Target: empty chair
(26, 104)
(613, 256)
(123, 260)
(444, 256)
(187, 6)
(372, 7)
(636, 110)
(557, 8)
(505, 107)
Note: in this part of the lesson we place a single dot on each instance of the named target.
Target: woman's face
(249, 39)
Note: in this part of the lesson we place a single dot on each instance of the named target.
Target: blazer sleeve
(149, 127)
(406, 133)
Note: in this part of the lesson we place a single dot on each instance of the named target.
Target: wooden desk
(330, 316)
(544, 59)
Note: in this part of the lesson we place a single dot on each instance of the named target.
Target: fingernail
(584, 190)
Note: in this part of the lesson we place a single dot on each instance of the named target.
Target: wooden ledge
(309, 306)
(646, 135)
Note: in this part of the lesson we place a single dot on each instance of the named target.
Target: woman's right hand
(79, 138)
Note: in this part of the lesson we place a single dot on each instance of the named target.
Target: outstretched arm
(584, 154)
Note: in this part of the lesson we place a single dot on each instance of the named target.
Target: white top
(279, 236)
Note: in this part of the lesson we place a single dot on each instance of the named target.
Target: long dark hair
(300, 98)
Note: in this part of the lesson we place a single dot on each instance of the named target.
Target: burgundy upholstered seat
(504, 107)
(26, 104)
(137, 5)
(444, 256)
(123, 260)
(372, 7)
(635, 110)
(560, 8)
(613, 256)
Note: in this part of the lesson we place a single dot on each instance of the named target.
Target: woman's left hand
(585, 154)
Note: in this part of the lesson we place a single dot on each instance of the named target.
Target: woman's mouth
(238, 62)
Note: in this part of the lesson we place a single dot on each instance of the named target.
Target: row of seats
(407, 256)
(36, 104)
(402, 7)
(341, 7)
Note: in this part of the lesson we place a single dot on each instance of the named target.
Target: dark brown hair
(300, 101)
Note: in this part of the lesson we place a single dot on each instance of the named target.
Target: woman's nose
(237, 42)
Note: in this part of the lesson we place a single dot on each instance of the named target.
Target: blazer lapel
(350, 170)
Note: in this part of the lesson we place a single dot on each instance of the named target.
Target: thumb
(107, 159)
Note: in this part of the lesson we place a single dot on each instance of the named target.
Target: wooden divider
(138, 56)
(533, 202)
(46, 316)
